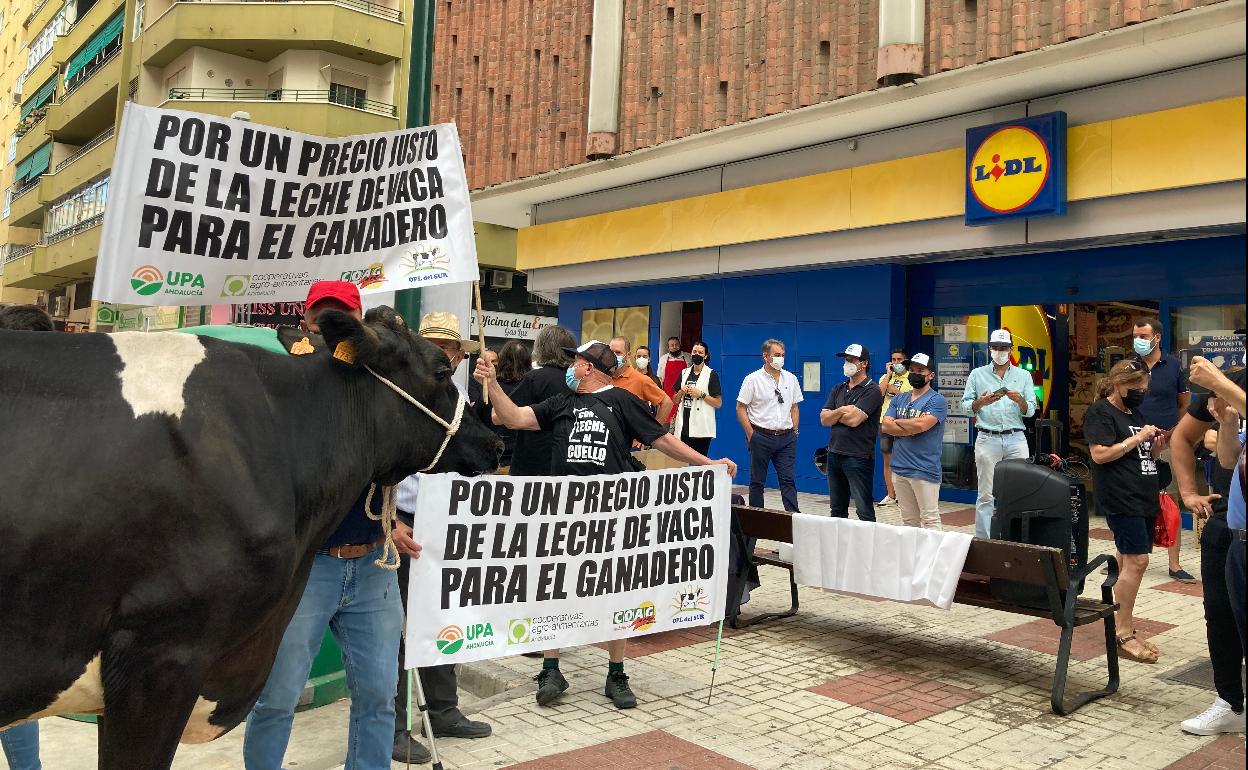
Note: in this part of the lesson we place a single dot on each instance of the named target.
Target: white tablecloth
(904, 564)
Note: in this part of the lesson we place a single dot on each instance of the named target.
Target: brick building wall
(514, 74)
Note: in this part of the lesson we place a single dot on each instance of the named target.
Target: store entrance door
(1099, 336)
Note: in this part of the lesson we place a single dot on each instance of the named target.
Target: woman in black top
(513, 364)
(1124, 473)
(532, 453)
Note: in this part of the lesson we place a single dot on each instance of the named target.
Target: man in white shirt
(767, 410)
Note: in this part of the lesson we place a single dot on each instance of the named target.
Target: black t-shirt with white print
(1127, 486)
(594, 432)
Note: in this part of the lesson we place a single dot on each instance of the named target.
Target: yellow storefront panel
(1088, 161)
(909, 189)
(1198, 144)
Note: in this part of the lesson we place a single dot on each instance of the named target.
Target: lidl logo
(1016, 169)
(1033, 347)
(147, 280)
(450, 639)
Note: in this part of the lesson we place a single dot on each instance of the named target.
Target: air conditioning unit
(500, 279)
(60, 306)
(17, 97)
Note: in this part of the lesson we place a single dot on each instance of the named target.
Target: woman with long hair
(513, 363)
(644, 364)
(1124, 472)
(532, 448)
(697, 398)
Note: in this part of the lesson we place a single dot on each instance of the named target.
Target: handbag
(1166, 526)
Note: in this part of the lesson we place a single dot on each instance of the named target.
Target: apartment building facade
(331, 67)
(824, 173)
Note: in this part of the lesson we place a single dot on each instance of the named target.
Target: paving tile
(1088, 643)
(1101, 533)
(1225, 753)
(961, 517)
(654, 750)
(894, 694)
(1176, 587)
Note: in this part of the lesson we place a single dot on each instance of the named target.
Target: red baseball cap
(343, 292)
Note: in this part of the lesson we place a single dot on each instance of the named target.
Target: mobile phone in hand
(1000, 391)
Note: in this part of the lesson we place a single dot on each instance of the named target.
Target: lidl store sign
(1016, 169)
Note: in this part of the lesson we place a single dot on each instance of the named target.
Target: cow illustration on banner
(518, 564)
(215, 210)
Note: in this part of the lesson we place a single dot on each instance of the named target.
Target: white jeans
(919, 501)
(990, 450)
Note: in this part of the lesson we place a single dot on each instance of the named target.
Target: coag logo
(1009, 169)
(640, 618)
(371, 276)
(450, 639)
(518, 631)
(147, 280)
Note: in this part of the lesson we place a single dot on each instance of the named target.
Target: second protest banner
(519, 564)
(205, 209)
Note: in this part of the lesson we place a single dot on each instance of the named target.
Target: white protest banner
(205, 209)
(518, 564)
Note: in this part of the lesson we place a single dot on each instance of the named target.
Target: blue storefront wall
(816, 313)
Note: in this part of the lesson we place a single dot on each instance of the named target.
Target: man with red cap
(350, 595)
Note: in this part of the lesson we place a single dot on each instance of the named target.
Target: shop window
(960, 344)
(1215, 331)
(604, 323)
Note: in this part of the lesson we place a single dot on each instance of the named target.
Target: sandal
(1149, 657)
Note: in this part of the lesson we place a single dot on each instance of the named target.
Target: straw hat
(445, 326)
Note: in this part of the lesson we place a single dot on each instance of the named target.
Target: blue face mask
(619, 360)
(570, 377)
(1143, 347)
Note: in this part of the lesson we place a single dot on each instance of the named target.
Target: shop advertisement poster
(954, 399)
(521, 564)
(1225, 351)
(512, 326)
(216, 210)
(957, 430)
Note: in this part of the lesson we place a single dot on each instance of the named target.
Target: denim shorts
(1133, 535)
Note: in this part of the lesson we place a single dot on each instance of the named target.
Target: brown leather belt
(350, 550)
(771, 432)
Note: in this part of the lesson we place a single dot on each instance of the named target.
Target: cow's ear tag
(302, 348)
(345, 352)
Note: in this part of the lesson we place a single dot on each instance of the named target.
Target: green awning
(110, 31)
(40, 98)
(35, 164)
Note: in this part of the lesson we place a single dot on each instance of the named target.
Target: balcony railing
(33, 119)
(86, 148)
(20, 191)
(281, 95)
(375, 9)
(72, 230)
(88, 73)
(17, 252)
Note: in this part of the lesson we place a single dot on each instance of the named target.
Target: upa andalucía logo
(450, 639)
(147, 280)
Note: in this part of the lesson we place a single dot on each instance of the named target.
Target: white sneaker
(888, 500)
(1215, 720)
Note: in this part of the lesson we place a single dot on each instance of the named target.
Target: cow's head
(383, 343)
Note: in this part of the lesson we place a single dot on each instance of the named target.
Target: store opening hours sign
(518, 564)
(205, 209)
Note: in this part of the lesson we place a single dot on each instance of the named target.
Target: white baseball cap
(1000, 337)
(855, 350)
(922, 359)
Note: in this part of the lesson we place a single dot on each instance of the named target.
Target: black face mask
(697, 359)
(1134, 397)
(917, 380)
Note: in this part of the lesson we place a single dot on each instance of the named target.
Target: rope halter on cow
(389, 507)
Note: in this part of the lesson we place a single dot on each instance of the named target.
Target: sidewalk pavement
(848, 683)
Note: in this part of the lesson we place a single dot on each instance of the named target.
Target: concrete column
(604, 79)
(902, 49)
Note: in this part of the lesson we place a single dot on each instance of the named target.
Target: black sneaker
(550, 685)
(405, 743)
(619, 692)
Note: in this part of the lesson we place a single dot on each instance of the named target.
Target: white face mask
(849, 369)
(535, 365)
(1000, 357)
(777, 362)
(643, 362)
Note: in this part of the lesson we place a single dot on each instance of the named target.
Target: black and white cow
(161, 498)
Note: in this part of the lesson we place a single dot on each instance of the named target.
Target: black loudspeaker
(1040, 506)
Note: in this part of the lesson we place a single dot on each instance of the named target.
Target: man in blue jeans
(853, 414)
(767, 411)
(350, 595)
(999, 395)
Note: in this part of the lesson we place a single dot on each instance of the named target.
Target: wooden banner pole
(476, 291)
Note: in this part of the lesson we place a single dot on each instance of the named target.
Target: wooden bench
(989, 560)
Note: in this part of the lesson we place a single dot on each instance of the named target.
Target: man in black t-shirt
(853, 414)
(593, 426)
(1225, 653)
